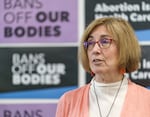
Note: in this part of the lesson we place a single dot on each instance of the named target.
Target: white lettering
(123, 7)
(140, 17)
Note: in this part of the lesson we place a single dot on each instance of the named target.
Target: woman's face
(103, 55)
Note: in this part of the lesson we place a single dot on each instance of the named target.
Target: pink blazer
(75, 103)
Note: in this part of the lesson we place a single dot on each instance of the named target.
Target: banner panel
(142, 76)
(28, 110)
(37, 72)
(137, 12)
(38, 21)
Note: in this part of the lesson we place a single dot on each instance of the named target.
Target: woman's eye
(104, 41)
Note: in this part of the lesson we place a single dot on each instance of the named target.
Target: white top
(106, 94)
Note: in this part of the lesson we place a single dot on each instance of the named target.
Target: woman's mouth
(97, 61)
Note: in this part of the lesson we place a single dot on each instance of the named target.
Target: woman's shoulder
(76, 93)
(139, 89)
(71, 101)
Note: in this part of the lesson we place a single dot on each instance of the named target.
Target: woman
(108, 50)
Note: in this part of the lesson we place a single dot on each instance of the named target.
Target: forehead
(100, 31)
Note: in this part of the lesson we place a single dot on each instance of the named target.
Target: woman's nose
(96, 48)
(96, 45)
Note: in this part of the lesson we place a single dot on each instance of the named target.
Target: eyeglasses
(102, 43)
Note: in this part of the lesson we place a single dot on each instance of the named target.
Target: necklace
(116, 95)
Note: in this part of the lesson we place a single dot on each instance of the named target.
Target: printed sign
(142, 76)
(30, 72)
(38, 21)
(28, 110)
(135, 11)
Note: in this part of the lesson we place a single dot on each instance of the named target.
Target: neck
(108, 78)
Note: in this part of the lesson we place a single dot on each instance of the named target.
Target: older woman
(108, 50)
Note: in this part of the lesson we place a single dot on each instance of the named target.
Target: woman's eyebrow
(90, 37)
(105, 36)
